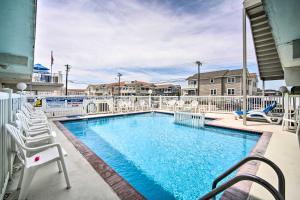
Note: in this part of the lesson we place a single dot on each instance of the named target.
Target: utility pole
(199, 64)
(52, 61)
(68, 67)
(119, 75)
(244, 68)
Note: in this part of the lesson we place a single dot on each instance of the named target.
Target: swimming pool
(160, 159)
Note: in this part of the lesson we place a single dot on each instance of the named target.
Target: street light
(119, 75)
(21, 86)
(199, 64)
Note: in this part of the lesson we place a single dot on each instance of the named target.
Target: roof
(252, 75)
(79, 90)
(216, 74)
(236, 72)
(40, 67)
(122, 83)
(166, 86)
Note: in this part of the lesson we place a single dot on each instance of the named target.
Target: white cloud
(94, 36)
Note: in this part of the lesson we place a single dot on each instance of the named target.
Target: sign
(55, 102)
(38, 103)
(61, 102)
(75, 101)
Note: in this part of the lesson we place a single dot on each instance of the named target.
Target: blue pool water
(163, 160)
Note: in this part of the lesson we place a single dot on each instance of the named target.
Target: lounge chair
(33, 128)
(31, 109)
(34, 158)
(34, 115)
(260, 114)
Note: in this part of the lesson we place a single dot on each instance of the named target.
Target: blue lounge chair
(260, 114)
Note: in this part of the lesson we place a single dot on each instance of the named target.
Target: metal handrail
(244, 177)
(281, 180)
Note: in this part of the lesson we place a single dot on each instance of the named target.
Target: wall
(17, 39)
(236, 86)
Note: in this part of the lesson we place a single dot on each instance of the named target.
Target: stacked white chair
(34, 115)
(33, 158)
(32, 128)
(36, 147)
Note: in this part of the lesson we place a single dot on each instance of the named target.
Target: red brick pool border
(125, 191)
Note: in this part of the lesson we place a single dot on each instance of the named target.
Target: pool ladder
(278, 195)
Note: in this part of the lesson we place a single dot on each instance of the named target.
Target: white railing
(66, 106)
(194, 120)
(9, 104)
(291, 106)
(220, 104)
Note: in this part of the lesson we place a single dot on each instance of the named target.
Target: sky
(147, 40)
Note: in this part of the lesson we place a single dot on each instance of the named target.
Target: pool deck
(283, 149)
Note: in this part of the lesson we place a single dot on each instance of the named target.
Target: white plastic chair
(42, 155)
(38, 116)
(31, 109)
(194, 106)
(142, 105)
(179, 105)
(171, 104)
(129, 106)
(33, 129)
(37, 139)
(295, 120)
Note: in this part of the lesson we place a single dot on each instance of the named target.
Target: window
(230, 91)
(230, 79)
(192, 82)
(212, 80)
(213, 92)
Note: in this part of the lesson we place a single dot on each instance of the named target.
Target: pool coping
(126, 191)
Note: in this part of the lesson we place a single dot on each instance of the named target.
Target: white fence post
(160, 102)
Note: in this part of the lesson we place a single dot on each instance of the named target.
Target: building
(252, 84)
(268, 92)
(167, 90)
(136, 88)
(101, 89)
(45, 83)
(220, 83)
(276, 41)
(75, 92)
(133, 88)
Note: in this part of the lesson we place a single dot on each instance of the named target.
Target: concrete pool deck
(283, 149)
